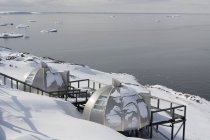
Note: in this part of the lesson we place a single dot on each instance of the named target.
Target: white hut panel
(120, 108)
(45, 79)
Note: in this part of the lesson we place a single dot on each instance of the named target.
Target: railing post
(70, 84)
(11, 83)
(183, 137)
(4, 80)
(93, 85)
(30, 89)
(86, 96)
(76, 98)
(16, 84)
(66, 96)
(67, 77)
(172, 125)
(78, 84)
(158, 106)
(151, 120)
(67, 87)
(171, 105)
(99, 86)
(88, 83)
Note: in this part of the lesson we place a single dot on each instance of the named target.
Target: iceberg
(31, 20)
(26, 36)
(53, 30)
(17, 12)
(5, 24)
(10, 35)
(112, 16)
(22, 26)
(49, 30)
(57, 23)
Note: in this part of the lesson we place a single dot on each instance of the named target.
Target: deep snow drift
(29, 116)
(25, 116)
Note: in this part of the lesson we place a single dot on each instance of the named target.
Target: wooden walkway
(78, 97)
(175, 114)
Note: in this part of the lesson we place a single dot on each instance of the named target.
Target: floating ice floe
(6, 24)
(112, 16)
(172, 16)
(53, 30)
(26, 36)
(22, 26)
(50, 30)
(10, 35)
(17, 12)
(157, 20)
(31, 20)
(57, 22)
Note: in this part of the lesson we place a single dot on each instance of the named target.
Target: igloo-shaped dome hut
(47, 80)
(119, 107)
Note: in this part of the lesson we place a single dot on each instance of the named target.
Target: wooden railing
(70, 91)
(176, 112)
(86, 83)
(15, 83)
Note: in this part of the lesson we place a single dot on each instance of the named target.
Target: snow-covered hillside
(30, 116)
(25, 116)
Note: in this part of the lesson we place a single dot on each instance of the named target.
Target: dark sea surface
(166, 49)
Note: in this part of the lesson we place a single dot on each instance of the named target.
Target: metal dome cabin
(119, 107)
(45, 79)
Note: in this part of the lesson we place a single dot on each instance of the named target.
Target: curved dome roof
(118, 107)
(45, 79)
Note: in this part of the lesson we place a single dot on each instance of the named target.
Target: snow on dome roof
(42, 77)
(117, 106)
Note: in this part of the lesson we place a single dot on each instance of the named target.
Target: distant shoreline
(132, 13)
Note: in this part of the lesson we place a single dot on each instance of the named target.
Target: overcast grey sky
(176, 6)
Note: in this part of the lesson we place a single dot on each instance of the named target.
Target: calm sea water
(157, 49)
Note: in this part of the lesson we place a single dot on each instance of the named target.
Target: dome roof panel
(120, 107)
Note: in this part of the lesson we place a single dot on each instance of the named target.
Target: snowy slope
(19, 65)
(25, 116)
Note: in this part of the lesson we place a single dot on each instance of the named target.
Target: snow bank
(25, 116)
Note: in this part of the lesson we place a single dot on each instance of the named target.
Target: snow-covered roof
(45, 79)
(118, 107)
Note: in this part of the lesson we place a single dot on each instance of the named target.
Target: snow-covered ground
(25, 116)
(30, 116)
